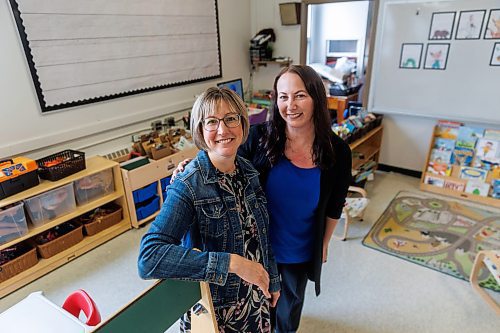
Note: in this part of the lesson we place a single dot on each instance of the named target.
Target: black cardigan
(334, 183)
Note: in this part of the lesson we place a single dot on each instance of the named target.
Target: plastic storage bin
(51, 204)
(94, 186)
(147, 208)
(145, 193)
(12, 223)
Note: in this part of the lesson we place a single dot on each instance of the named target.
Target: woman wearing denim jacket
(218, 206)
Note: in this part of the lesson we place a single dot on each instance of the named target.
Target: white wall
(406, 138)
(106, 126)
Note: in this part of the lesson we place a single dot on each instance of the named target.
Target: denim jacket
(197, 213)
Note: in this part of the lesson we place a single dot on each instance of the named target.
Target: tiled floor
(363, 290)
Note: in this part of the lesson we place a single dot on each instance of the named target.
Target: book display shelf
(463, 162)
(53, 203)
(145, 185)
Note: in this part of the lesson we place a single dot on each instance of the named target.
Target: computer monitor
(235, 85)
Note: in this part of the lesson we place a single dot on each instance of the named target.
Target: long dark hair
(274, 142)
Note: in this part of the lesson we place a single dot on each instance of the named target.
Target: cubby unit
(141, 178)
(94, 165)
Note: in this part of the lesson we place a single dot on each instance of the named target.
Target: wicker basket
(73, 161)
(61, 243)
(104, 222)
(18, 265)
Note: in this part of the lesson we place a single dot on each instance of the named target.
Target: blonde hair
(207, 103)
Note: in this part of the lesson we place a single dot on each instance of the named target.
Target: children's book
(473, 173)
(440, 156)
(495, 172)
(484, 164)
(439, 168)
(467, 136)
(489, 150)
(447, 129)
(431, 180)
(462, 156)
(444, 144)
(454, 185)
(492, 134)
(495, 184)
(477, 188)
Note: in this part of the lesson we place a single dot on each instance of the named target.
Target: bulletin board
(81, 51)
(438, 59)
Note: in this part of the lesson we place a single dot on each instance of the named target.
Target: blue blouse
(293, 196)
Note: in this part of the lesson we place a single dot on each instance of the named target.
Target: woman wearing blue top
(305, 170)
(218, 206)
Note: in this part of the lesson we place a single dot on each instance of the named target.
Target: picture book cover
(492, 134)
(431, 180)
(447, 129)
(462, 156)
(454, 185)
(441, 169)
(489, 150)
(440, 156)
(477, 188)
(484, 164)
(467, 136)
(495, 185)
(444, 144)
(495, 172)
(473, 173)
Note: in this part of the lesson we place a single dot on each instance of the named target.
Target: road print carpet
(436, 233)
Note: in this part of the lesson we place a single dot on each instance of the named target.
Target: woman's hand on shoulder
(180, 168)
(250, 271)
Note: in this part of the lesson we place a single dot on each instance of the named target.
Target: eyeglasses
(231, 120)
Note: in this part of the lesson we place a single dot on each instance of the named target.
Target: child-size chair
(354, 207)
(79, 301)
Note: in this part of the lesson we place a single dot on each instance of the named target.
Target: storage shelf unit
(148, 174)
(44, 266)
(455, 176)
(367, 146)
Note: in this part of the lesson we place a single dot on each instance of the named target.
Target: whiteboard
(466, 89)
(81, 51)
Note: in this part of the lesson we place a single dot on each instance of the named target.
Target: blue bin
(147, 208)
(145, 193)
(165, 182)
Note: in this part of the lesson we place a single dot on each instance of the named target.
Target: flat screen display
(235, 85)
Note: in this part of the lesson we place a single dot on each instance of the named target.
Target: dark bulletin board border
(37, 84)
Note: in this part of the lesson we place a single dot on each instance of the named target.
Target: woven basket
(18, 265)
(61, 243)
(105, 222)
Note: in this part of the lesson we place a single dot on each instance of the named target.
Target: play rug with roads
(436, 233)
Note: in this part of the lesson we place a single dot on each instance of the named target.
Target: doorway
(336, 40)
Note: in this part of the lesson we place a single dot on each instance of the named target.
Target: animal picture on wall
(442, 25)
(470, 24)
(493, 25)
(495, 56)
(436, 56)
(411, 54)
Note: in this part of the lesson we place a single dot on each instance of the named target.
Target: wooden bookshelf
(367, 147)
(454, 176)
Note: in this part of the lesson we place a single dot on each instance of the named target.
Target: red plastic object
(78, 301)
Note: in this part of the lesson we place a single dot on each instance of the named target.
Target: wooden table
(339, 103)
